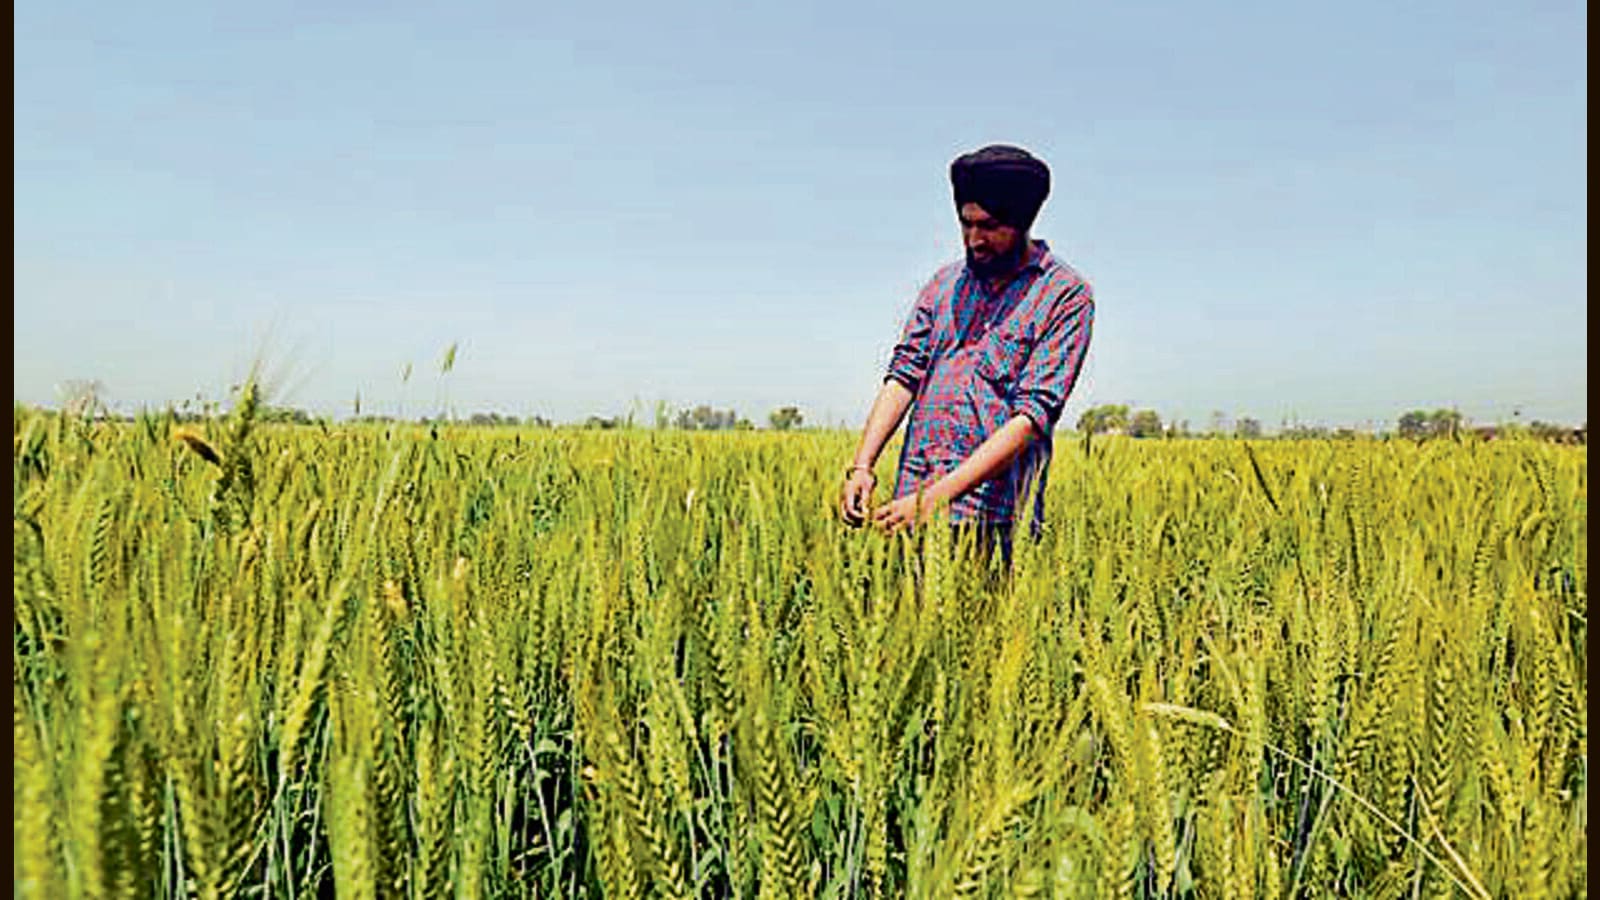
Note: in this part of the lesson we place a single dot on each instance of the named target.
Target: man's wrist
(938, 492)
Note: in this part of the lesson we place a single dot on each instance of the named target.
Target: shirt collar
(1038, 255)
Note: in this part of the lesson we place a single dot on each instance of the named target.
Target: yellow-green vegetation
(285, 661)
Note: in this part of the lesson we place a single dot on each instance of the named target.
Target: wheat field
(275, 661)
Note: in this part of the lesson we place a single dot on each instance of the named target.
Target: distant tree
(704, 418)
(1299, 432)
(1419, 424)
(1101, 419)
(1178, 428)
(785, 418)
(1145, 423)
(1445, 422)
(1414, 424)
(1219, 423)
(1246, 427)
(601, 422)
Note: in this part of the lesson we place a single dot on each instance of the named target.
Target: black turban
(1008, 182)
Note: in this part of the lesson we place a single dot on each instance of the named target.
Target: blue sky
(1327, 214)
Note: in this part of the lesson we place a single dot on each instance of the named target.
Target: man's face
(992, 248)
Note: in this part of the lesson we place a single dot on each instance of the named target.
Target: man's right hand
(888, 408)
(855, 498)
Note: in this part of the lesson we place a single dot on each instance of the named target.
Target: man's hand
(888, 408)
(910, 510)
(855, 498)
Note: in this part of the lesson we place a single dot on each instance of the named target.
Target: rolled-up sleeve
(1047, 379)
(909, 362)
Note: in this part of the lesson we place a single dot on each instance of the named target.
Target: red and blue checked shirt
(973, 360)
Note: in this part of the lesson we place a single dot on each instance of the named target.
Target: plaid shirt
(974, 360)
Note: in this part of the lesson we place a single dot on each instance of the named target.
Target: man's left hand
(904, 512)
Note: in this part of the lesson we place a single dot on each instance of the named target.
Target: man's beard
(999, 264)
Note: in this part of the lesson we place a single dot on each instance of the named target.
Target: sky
(1322, 214)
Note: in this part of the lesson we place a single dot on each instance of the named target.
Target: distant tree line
(1421, 425)
(1114, 418)
(704, 418)
(493, 419)
(85, 398)
(698, 418)
(1417, 424)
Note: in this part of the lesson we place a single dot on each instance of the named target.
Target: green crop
(398, 662)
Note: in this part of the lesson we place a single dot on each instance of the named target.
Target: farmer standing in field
(985, 363)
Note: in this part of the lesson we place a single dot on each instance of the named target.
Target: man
(985, 362)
